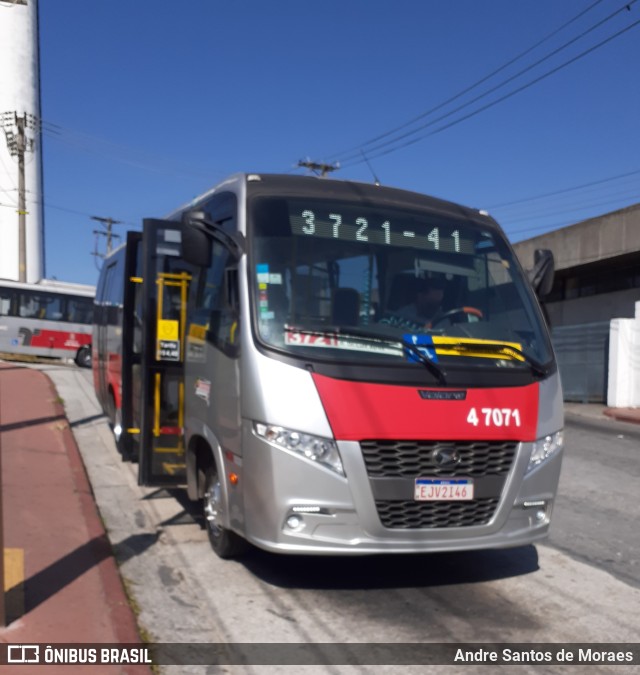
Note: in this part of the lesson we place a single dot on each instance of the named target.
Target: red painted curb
(624, 414)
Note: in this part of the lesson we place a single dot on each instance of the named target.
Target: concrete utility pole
(316, 167)
(108, 223)
(18, 145)
(20, 120)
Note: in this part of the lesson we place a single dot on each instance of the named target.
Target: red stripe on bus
(59, 339)
(361, 410)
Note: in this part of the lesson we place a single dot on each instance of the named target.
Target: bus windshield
(321, 269)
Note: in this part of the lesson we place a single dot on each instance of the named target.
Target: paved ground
(63, 582)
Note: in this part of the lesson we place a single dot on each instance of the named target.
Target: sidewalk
(63, 585)
(602, 412)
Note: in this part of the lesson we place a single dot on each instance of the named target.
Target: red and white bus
(50, 318)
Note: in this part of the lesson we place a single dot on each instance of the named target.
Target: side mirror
(196, 244)
(541, 276)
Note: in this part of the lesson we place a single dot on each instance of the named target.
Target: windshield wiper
(434, 369)
(500, 348)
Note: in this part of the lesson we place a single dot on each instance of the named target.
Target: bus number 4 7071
(494, 417)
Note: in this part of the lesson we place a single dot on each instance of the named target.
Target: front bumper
(293, 505)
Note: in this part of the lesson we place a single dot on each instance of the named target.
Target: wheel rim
(84, 357)
(213, 511)
(117, 425)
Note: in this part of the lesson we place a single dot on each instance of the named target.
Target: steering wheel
(468, 312)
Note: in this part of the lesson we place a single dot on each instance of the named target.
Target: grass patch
(145, 635)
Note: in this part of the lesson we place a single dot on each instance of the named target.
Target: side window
(210, 289)
(115, 290)
(214, 310)
(108, 310)
(214, 296)
(51, 307)
(29, 307)
(222, 209)
(7, 302)
(79, 310)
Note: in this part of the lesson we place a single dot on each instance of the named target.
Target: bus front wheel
(225, 543)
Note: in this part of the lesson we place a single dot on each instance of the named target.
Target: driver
(426, 308)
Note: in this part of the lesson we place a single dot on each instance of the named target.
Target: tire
(83, 357)
(225, 543)
(115, 424)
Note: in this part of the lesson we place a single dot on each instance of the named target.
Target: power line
(378, 150)
(498, 86)
(502, 98)
(584, 206)
(543, 209)
(471, 87)
(564, 190)
(65, 209)
(119, 152)
(569, 198)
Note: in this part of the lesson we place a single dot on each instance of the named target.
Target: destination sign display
(373, 226)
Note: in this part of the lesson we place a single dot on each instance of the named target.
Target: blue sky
(147, 103)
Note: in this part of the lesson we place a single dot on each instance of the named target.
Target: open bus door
(153, 358)
(129, 434)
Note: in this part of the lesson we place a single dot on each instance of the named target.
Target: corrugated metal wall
(583, 354)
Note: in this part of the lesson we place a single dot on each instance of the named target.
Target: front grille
(410, 514)
(414, 459)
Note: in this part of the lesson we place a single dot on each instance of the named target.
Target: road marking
(14, 582)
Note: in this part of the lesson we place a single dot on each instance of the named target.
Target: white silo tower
(21, 212)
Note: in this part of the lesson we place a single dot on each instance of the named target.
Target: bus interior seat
(345, 307)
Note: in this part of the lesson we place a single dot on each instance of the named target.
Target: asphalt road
(580, 587)
(597, 514)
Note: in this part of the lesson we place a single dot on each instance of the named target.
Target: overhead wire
(45, 204)
(362, 146)
(502, 98)
(12, 182)
(543, 209)
(569, 199)
(399, 142)
(564, 190)
(117, 151)
(544, 229)
(604, 200)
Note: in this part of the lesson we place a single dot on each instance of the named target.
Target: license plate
(443, 489)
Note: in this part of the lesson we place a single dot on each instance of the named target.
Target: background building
(597, 284)
(21, 210)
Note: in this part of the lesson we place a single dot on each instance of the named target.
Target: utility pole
(22, 200)
(316, 167)
(108, 223)
(18, 145)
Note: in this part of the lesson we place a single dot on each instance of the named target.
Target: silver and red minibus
(277, 356)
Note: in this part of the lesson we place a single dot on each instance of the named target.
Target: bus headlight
(318, 449)
(544, 448)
